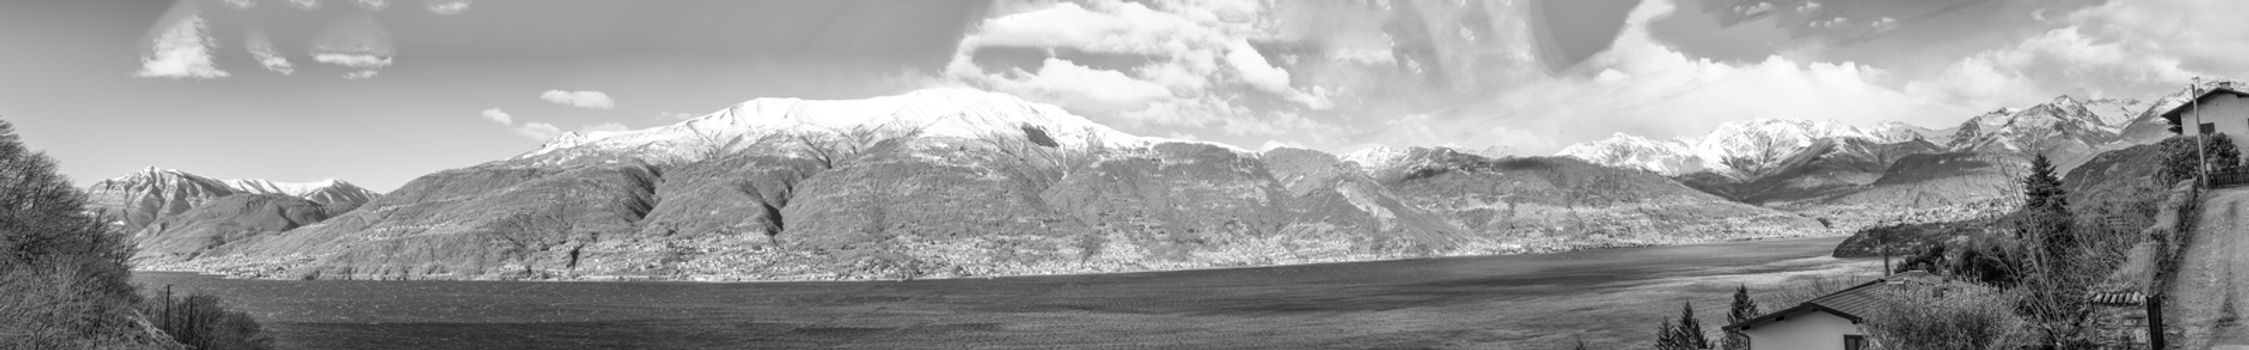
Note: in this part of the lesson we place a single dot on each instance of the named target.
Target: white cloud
(1758, 9)
(360, 74)
(1071, 85)
(182, 51)
(353, 60)
(261, 48)
(580, 99)
(498, 116)
(538, 131)
(544, 131)
(1201, 68)
(2200, 36)
(603, 129)
(448, 7)
(2103, 51)
(374, 5)
(1327, 74)
(1644, 87)
(306, 4)
(241, 4)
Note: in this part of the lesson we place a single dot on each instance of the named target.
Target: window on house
(2209, 128)
(1854, 342)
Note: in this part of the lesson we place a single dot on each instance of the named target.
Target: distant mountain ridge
(954, 183)
(151, 194)
(1846, 175)
(958, 183)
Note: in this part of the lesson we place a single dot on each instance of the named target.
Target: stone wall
(2120, 318)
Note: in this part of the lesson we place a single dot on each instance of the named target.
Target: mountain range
(174, 214)
(1852, 177)
(945, 183)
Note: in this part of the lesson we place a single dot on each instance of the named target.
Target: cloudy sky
(380, 91)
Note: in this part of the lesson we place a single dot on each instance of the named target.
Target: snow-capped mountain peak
(1621, 149)
(1733, 148)
(1377, 157)
(939, 112)
(289, 188)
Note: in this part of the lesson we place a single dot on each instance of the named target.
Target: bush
(62, 271)
(201, 322)
(2180, 158)
(1946, 316)
(64, 282)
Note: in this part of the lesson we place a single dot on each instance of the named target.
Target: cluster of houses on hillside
(1835, 321)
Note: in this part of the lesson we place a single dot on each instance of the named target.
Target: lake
(1609, 298)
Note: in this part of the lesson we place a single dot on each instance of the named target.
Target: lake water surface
(1611, 297)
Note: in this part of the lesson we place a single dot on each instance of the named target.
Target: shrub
(2180, 158)
(1946, 316)
(64, 282)
(202, 322)
(62, 271)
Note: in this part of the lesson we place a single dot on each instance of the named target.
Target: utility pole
(2194, 102)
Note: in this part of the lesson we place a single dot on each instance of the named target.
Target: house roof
(2173, 114)
(1854, 303)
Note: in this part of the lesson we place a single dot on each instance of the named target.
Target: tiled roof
(1854, 303)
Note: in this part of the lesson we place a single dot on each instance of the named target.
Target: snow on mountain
(276, 187)
(1897, 131)
(939, 112)
(154, 193)
(2061, 124)
(2116, 112)
(1734, 148)
(1377, 157)
(1666, 157)
(2065, 128)
(2147, 125)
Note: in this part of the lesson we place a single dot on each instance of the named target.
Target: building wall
(1807, 331)
(2230, 113)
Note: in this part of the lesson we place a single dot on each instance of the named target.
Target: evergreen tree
(1743, 309)
(2046, 220)
(1580, 343)
(1690, 329)
(2042, 190)
(1667, 337)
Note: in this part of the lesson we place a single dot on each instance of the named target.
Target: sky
(378, 92)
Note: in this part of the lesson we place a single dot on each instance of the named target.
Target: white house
(1829, 322)
(2220, 110)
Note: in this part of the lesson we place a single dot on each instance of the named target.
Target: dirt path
(2207, 299)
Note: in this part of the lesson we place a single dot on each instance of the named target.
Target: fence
(2228, 179)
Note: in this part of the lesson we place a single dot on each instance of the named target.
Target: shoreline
(175, 268)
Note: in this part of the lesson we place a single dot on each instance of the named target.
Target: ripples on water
(1609, 297)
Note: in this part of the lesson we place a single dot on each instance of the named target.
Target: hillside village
(2133, 253)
